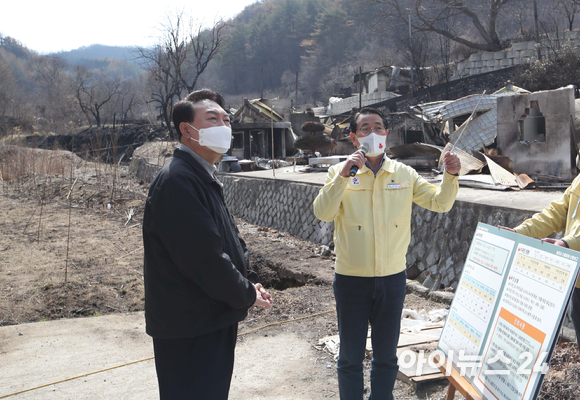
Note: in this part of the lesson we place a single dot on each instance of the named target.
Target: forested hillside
(306, 50)
(269, 43)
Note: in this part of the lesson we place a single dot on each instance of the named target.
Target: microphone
(354, 169)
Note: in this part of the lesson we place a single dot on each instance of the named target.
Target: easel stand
(457, 382)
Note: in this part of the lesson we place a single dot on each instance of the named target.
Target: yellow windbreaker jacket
(560, 215)
(372, 215)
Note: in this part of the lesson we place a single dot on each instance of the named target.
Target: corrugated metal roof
(468, 162)
(465, 105)
(431, 110)
(481, 131)
(439, 111)
(500, 175)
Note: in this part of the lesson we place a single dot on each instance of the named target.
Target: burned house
(384, 79)
(376, 86)
(255, 124)
(534, 130)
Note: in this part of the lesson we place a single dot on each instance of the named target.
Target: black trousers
(196, 368)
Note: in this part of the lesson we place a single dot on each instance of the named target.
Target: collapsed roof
(480, 131)
(256, 110)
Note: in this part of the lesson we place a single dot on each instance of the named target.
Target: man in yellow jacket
(561, 215)
(372, 215)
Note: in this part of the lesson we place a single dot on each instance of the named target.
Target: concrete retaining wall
(283, 205)
(439, 242)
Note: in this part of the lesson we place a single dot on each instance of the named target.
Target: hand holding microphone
(355, 161)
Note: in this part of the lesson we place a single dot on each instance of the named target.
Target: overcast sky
(50, 26)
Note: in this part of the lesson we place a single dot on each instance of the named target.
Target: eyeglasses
(367, 130)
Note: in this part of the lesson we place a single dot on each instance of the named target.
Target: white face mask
(216, 138)
(375, 143)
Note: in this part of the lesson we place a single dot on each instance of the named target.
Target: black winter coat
(196, 263)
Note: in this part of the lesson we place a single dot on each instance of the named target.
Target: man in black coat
(197, 282)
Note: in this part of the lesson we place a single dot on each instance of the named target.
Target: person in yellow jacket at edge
(372, 216)
(561, 215)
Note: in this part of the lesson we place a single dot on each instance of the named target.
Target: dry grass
(16, 162)
(48, 176)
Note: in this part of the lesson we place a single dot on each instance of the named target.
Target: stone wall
(279, 204)
(439, 242)
(519, 53)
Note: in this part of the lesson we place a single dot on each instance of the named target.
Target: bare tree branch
(93, 92)
(430, 16)
(205, 46)
(175, 64)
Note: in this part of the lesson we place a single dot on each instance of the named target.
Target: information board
(507, 311)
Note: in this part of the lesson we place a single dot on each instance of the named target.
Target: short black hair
(363, 111)
(184, 110)
(206, 94)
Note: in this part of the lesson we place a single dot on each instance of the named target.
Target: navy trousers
(196, 368)
(360, 301)
(575, 313)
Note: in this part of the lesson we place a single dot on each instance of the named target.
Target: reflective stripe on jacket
(557, 217)
(372, 215)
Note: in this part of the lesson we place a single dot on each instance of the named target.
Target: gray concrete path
(40, 353)
(529, 200)
(271, 364)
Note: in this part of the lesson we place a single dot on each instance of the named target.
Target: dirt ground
(70, 246)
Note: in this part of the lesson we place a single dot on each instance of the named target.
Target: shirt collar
(368, 164)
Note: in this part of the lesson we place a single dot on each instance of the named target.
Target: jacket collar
(203, 174)
(210, 168)
(388, 165)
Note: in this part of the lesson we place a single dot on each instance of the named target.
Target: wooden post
(450, 392)
(456, 382)
(412, 63)
(360, 87)
(272, 129)
(296, 95)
